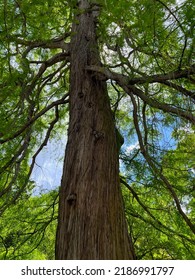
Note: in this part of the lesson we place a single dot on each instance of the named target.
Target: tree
(115, 69)
(91, 219)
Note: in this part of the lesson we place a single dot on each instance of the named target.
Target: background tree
(61, 58)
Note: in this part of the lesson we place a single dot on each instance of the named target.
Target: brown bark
(91, 221)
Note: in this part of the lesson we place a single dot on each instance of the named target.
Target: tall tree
(102, 66)
(91, 218)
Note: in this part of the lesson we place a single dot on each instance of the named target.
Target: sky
(49, 163)
(47, 172)
(48, 168)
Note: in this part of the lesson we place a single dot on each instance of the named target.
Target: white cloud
(131, 147)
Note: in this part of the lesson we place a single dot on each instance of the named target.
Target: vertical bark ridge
(91, 221)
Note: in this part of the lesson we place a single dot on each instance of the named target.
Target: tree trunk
(91, 223)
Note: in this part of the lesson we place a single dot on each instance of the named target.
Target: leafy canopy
(147, 53)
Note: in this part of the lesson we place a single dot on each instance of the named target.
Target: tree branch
(54, 43)
(156, 170)
(160, 78)
(44, 143)
(33, 119)
(128, 86)
(159, 223)
(159, 105)
(179, 88)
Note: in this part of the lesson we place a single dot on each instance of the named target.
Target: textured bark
(91, 221)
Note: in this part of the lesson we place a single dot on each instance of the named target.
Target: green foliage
(28, 228)
(157, 228)
(149, 44)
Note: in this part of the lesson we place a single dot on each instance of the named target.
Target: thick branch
(159, 105)
(54, 43)
(45, 64)
(159, 78)
(128, 86)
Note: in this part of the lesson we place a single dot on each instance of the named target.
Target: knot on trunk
(71, 198)
(98, 135)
